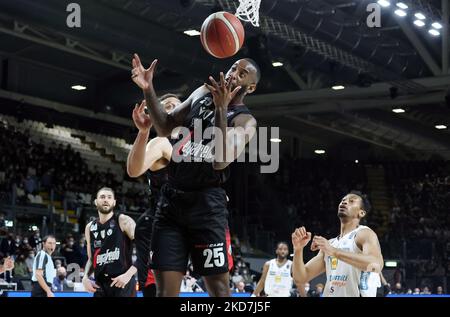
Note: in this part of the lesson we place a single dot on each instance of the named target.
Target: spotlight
(384, 3)
(434, 32)
(420, 16)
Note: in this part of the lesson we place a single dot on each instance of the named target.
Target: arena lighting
(401, 5)
(34, 228)
(440, 126)
(192, 32)
(390, 263)
(420, 16)
(400, 13)
(338, 87)
(419, 23)
(78, 87)
(384, 3)
(319, 152)
(437, 25)
(275, 140)
(434, 32)
(277, 64)
(356, 161)
(398, 110)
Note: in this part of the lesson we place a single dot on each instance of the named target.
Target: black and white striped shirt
(43, 261)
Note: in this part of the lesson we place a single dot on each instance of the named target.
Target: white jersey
(345, 280)
(278, 281)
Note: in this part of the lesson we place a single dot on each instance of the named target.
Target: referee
(43, 269)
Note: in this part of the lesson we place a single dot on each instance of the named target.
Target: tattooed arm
(127, 225)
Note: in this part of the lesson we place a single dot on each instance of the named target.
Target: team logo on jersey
(102, 234)
(95, 235)
(109, 232)
(94, 227)
(333, 262)
(206, 102)
(277, 279)
(97, 244)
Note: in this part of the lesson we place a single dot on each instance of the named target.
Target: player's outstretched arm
(163, 122)
(144, 155)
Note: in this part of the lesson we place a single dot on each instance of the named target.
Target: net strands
(248, 11)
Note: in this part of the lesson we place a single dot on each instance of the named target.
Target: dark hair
(165, 96)
(105, 188)
(49, 236)
(282, 242)
(365, 204)
(258, 70)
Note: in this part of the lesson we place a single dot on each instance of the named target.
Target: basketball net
(248, 11)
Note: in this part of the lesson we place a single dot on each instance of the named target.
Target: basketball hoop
(248, 11)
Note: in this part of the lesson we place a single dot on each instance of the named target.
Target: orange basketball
(222, 34)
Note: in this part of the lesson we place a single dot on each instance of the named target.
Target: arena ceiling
(321, 43)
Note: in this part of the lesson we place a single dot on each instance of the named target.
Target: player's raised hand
(300, 238)
(141, 120)
(141, 76)
(221, 92)
(321, 243)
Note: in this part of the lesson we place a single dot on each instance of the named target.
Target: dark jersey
(199, 173)
(155, 181)
(110, 248)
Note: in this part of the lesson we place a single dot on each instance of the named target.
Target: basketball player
(351, 261)
(192, 220)
(276, 278)
(108, 238)
(150, 158)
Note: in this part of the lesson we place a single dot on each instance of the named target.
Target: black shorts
(191, 224)
(149, 291)
(142, 235)
(38, 291)
(106, 290)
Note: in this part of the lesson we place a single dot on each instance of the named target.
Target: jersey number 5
(217, 254)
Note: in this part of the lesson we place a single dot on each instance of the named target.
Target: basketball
(222, 34)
